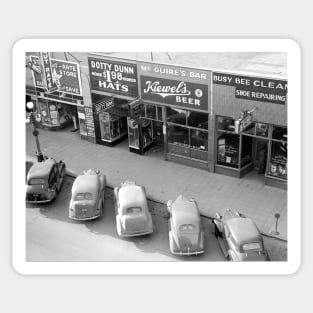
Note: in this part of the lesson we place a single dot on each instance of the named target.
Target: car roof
(243, 230)
(185, 211)
(85, 183)
(131, 196)
(41, 169)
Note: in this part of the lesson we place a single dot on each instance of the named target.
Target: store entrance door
(260, 147)
(159, 137)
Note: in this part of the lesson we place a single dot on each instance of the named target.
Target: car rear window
(133, 210)
(251, 246)
(83, 196)
(37, 181)
(187, 227)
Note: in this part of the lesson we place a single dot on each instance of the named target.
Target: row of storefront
(221, 122)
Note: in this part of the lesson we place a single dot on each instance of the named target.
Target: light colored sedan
(87, 199)
(239, 237)
(186, 236)
(133, 217)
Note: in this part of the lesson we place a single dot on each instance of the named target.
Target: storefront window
(279, 133)
(178, 135)
(133, 133)
(176, 116)
(104, 120)
(198, 120)
(228, 150)
(159, 111)
(278, 158)
(151, 111)
(199, 139)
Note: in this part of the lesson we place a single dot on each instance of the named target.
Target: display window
(153, 112)
(188, 133)
(278, 158)
(197, 120)
(176, 116)
(133, 133)
(178, 135)
(199, 139)
(112, 127)
(228, 149)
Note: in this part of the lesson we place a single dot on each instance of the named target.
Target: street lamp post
(39, 154)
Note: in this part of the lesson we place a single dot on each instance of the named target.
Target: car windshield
(37, 181)
(133, 210)
(187, 227)
(251, 246)
(83, 196)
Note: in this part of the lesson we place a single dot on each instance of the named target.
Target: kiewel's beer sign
(254, 88)
(179, 93)
(113, 76)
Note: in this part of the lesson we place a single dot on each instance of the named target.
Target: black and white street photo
(156, 156)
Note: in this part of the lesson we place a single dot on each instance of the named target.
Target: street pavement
(52, 237)
(165, 180)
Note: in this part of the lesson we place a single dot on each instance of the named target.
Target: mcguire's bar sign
(175, 92)
(113, 76)
(254, 88)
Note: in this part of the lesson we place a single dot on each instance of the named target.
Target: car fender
(172, 241)
(219, 224)
(118, 225)
(232, 255)
(201, 240)
(102, 181)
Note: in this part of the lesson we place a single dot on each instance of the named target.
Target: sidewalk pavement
(165, 180)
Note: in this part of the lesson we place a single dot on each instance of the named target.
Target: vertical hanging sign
(50, 85)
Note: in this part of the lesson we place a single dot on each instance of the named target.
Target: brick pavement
(165, 180)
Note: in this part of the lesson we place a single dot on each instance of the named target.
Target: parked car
(44, 181)
(186, 236)
(87, 201)
(133, 217)
(28, 165)
(239, 237)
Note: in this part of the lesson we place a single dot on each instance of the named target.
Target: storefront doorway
(259, 156)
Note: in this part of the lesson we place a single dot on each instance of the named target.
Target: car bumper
(134, 234)
(189, 253)
(39, 201)
(83, 218)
